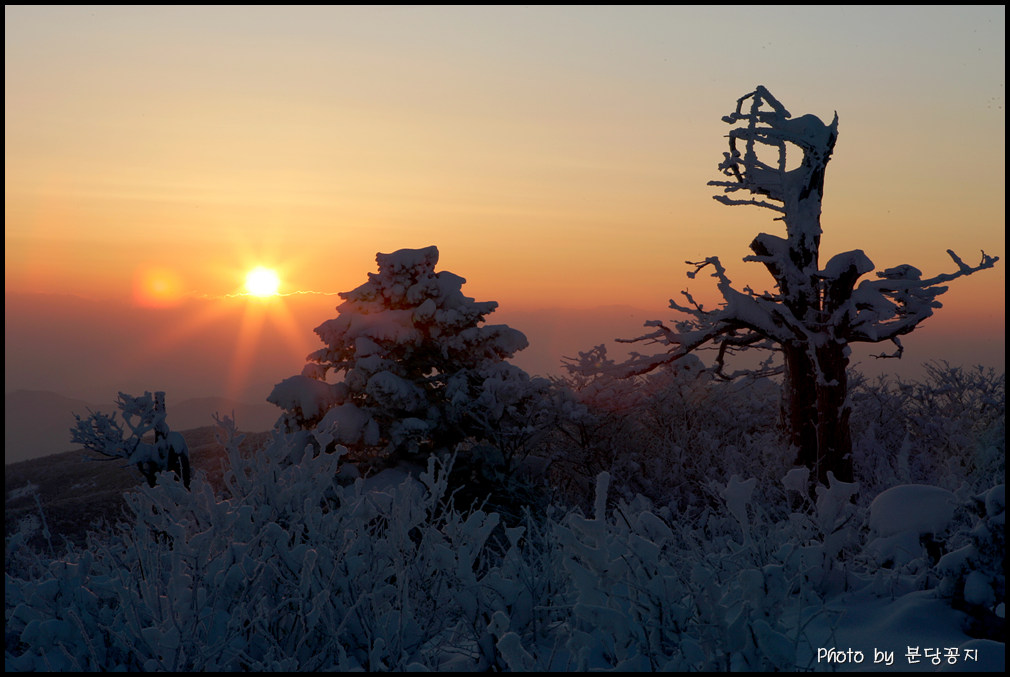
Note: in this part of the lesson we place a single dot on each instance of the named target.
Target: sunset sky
(557, 156)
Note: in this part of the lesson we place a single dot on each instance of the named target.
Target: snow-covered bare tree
(813, 313)
(417, 369)
(144, 415)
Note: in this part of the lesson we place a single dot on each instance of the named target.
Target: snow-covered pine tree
(418, 370)
(813, 313)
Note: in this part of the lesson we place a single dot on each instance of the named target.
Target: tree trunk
(799, 403)
(834, 438)
(815, 410)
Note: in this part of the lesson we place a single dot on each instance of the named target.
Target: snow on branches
(812, 314)
(418, 368)
(874, 311)
(144, 415)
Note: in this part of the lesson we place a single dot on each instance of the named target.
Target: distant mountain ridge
(37, 422)
(198, 412)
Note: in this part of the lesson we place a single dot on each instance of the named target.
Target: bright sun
(262, 282)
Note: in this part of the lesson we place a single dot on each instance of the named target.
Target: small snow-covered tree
(418, 369)
(143, 415)
(813, 314)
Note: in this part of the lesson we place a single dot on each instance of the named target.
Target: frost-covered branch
(894, 305)
(143, 415)
(744, 320)
(100, 433)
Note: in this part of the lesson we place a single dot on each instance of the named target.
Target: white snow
(915, 508)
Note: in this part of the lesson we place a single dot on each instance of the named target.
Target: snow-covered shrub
(669, 434)
(288, 571)
(728, 565)
(143, 415)
(22, 546)
(944, 429)
(974, 576)
(732, 588)
(517, 422)
(909, 527)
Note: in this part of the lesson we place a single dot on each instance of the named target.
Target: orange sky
(556, 156)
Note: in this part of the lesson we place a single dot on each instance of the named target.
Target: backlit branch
(894, 305)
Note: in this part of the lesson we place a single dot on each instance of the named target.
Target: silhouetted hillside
(78, 489)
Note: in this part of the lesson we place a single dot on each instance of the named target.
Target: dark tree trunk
(815, 409)
(799, 403)
(834, 439)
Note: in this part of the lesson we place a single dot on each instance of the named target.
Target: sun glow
(156, 287)
(262, 282)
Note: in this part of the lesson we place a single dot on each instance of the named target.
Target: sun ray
(256, 313)
(246, 343)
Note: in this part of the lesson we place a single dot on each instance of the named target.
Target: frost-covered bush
(640, 588)
(143, 415)
(417, 369)
(909, 527)
(727, 564)
(668, 434)
(288, 571)
(974, 576)
(20, 557)
(947, 428)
